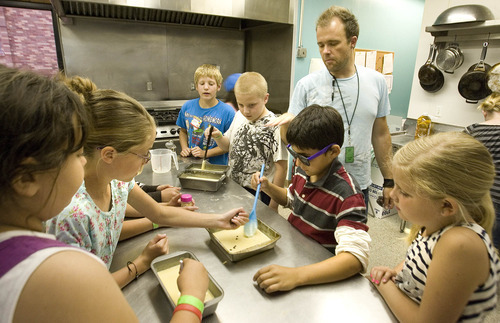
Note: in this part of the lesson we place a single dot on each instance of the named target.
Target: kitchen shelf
(462, 32)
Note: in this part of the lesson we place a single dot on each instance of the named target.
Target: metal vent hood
(212, 13)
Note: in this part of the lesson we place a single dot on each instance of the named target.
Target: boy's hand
(186, 152)
(256, 179)
(216, 134)
(275, 278)
(197, 152)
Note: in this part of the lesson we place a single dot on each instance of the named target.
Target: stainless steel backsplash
(154, 62)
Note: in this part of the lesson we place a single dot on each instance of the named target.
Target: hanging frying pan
(473, 85)
(430, 77)
(450, 58)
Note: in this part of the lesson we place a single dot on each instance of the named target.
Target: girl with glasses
(121, 134)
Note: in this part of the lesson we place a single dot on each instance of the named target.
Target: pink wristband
(190, 308)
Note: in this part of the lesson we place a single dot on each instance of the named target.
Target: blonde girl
(451, 269)
(42, 129)
(120, 136)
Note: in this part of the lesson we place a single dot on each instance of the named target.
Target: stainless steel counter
(353, 300)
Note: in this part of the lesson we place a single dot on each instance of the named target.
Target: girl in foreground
(121, 133)
(42, 131)
(451, 270)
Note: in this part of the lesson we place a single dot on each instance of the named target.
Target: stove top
(165, 113)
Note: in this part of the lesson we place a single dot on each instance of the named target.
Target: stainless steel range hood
(212, 13)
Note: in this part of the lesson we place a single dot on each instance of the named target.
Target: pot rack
(465, 32)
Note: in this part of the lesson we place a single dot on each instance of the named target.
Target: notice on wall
(388, 64)
(360, 58)
(371, 59)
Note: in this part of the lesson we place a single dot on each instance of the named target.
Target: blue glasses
(307, 160)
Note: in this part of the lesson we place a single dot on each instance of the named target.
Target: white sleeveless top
(411, 280)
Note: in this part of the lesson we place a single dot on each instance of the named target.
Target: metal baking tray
(171, 260)
(201, 181)
(209, 169)
(234, 256)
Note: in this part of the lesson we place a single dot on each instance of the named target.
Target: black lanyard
(349, 122)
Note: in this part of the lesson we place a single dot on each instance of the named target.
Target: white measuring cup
(161, 160)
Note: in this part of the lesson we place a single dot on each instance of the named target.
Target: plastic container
(424, 126)
(186, 200)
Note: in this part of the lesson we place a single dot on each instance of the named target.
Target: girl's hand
(186, 152)
(197, 152)
(275, 278)
(193, 279)
(233, 219)
(382, 274)
(156, 247)
(256, 179)
(168, 192)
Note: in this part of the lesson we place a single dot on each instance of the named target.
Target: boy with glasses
(326, 202)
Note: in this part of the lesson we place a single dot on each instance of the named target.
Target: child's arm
(279, 179)
(278, 278)
(460, 263)
(180, 217)
(156, 247)
(132, 228)
(220, 139)
(200, 153)
(276, 192)
(183, 140)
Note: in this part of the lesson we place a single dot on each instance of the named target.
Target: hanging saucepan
(450, 58)
(430, 77)
(473, 85)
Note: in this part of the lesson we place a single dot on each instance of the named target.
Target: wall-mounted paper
(360, 58)
(388, 64)
(371, 59)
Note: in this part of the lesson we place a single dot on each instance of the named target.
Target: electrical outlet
(438, 110)
(192, 86)
(149, 86)
(301, 52)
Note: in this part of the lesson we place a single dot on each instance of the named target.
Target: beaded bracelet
(190, 308)
(130, 270)
(188, 299)
(155, 226)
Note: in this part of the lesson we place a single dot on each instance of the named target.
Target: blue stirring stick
(251, 226)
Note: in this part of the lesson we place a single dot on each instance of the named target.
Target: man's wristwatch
(388, 183)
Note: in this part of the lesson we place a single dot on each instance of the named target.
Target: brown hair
(38, 116)
(351, 26)
(116, 119)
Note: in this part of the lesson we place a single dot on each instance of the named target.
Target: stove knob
(179, 130)
(173, 131)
